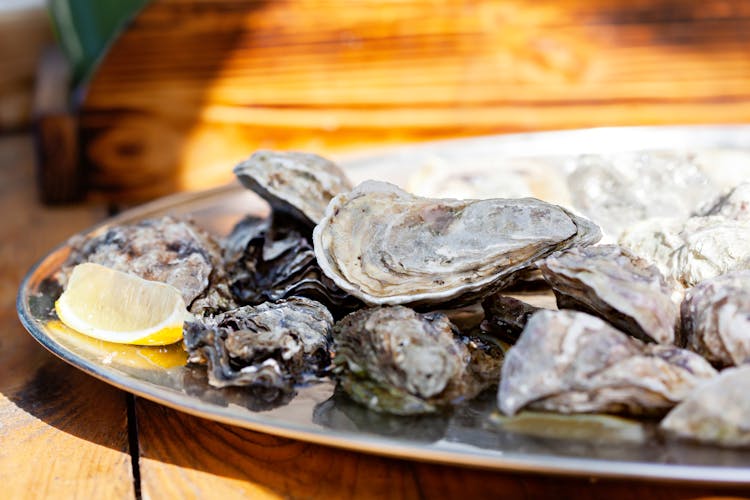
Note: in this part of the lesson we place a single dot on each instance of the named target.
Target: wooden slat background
(192, 86)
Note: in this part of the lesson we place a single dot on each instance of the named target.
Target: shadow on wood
(193, 86)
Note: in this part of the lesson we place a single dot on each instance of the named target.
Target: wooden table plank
(63, 433)
(193, 86)
(182, 456)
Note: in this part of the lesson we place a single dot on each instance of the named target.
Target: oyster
(619, 190)
(269, 260)
(300, 184)
(505, 317)
(733, 205)
(273, 345)
(571, 362)
(610, 282)
(386, 246)
(716, 319)
(173, 251)
(693, 250)
(717, 412)
(394, 360)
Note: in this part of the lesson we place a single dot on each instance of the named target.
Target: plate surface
(471, 435)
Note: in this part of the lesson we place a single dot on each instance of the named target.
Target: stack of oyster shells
(371, 285)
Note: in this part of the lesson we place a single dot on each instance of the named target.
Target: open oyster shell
(386, 246)
(716, 319)
(571, 362)
(610, 282)
(273, 345)
(395, 360)
(300, 184)
(173, 251)
(717, 412)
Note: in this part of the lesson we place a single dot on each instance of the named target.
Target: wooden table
(64, 434)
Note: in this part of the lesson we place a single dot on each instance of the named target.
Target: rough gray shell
(571, 362)
(272, 345)
(716, 319)
(300, 184)
(617, 191)
(169, 250)
(615, 285)
(717, 412)
(394, 360)
(386, 246)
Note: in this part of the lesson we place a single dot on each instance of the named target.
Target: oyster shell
(395, 360)
(717, 412)
(273, 345)
(618, 190)
(269, 260)
(716, 319)
(173, 251)
(615, 285)
(300, 184)
(733, 205)
(571, 362)
(505, 317)
(693, 250)
(386, 246)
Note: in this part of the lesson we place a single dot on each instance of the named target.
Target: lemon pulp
(118, 307)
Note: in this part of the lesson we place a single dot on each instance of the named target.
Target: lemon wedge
(118, 307)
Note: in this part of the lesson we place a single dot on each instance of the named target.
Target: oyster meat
(273, 345)
(386, 246)
(717, 412)
(300, 184)
(505, 317)
(571, 362)
(271, 259)
(395, 360)
(169, 250)
(716, 319)
(617, 191)
(610, 282)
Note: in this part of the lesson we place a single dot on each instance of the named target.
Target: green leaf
(86, 28)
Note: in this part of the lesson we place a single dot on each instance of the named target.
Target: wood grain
(187, 457)
(195, 85)
(63, 434)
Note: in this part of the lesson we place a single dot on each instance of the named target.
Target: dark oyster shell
(386, 246)
(717, 412)
(395, 360)
(300, 184)
(173, 251)
(610, 282)
(716, 319)
(505, 317)
(272, 259)
(273, 344)
(571, 362)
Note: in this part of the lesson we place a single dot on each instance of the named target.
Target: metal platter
(473, 434)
